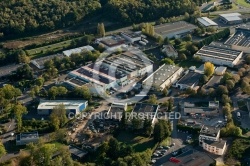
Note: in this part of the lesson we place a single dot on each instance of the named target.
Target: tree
(211, 92)
(162, 130)
(19, 110)
(204, 79)
(83, 92)
(147, 127)
(248, 59)
(22, 57)
(39, 81)
(165, 91)
(167, 61)
(24, 72)
(101, 29)
(230, 84)
(58, 116)
(225, 99)
(2, 150)
(177, 42)
(9, 92)
(208, 69)
(166, 40)
(152, 99)
(136, 123)
(182, 56)
(221, 90)
(53, 92)
(188, 37)
(159, 40)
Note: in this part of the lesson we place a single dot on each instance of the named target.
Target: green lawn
(243, 3)
(45, 49)
(166, 142)
(188, 63)
(139, 143)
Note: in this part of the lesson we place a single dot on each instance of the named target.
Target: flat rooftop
(92, 76)
(77, 151)
(76, 81)
(219, 144)
(161, 75)
(169, 49)
(173, 28)
(209, 131)
(240, 38)
(128, 61)
(213, 82)
(78, 50)
(27, 136)
(191, 158)
(112, 41)
(206, 21)
(69, 104)
(218, 53)
(144, 107)
(190, 78)
(115, 112)
(39, 62)
(231, 16)
(106, 71)
(132, 34)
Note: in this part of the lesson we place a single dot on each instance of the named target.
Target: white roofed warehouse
(219, 55)
(164, 76)
(45, 107)
(78, 50)
(206, 22)
(231, 18)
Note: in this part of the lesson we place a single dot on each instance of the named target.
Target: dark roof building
(26, 138)
(189, 80)
(77, 153)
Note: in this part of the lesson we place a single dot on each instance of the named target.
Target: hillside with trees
(23, 17)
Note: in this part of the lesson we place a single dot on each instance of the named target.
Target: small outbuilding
(220, 70)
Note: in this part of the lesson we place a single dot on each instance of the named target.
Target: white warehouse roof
(78, 50)
(231, 16)
(207, 22)
(68, 104)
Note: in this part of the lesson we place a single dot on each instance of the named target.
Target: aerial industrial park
(172, 91)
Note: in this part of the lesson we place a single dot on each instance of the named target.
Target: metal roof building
(206, 22)
(25, 138)
(219, 55)
(231, 18)
(164, 76)
(78, 50)
(45, 107)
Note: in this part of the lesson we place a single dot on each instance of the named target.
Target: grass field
(45, 49)
(243, 3)
(139, 143)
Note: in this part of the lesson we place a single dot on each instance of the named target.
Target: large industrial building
(219, 55)
(241, 39)
(114, 71)
(206, 22)
(164, 76)
(231, 18)
(45, 107)
(78, 50)
(175, 29)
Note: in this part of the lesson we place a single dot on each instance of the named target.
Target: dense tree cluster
(21, 16)
(162, 130)
(114, 153)
(141, 10)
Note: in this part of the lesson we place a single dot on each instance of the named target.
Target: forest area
(21, 17)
